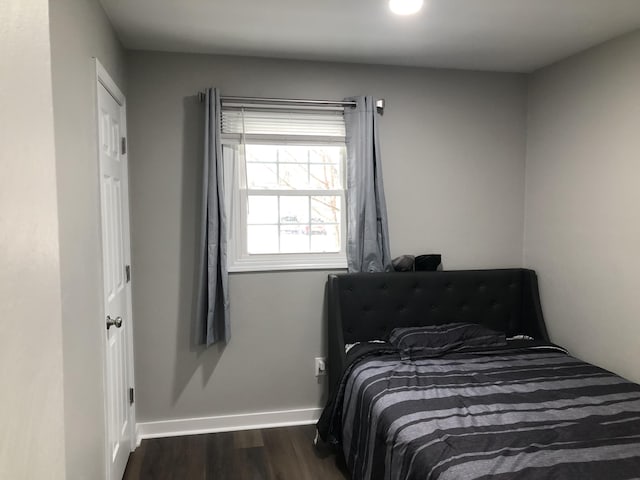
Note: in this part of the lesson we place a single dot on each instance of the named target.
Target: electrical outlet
(321, 366)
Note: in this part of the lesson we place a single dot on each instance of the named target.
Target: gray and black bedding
(507, 410)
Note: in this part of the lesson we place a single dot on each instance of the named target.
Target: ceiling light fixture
(405, 7)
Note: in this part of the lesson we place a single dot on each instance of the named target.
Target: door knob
(114, 322)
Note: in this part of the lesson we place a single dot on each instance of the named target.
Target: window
(284, 178)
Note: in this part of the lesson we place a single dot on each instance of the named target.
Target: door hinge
(131, 396)
(127, 272)
(124, 146)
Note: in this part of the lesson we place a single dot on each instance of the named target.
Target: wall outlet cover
(320, 366)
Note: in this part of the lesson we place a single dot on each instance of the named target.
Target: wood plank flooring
(268, 454)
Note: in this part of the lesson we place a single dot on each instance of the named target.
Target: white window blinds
(256, 124)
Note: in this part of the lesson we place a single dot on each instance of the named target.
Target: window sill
(265, 265)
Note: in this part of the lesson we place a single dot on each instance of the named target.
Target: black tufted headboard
(367, 306)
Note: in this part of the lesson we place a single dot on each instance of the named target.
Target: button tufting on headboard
(489, 297)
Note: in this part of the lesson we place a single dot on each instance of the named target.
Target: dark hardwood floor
(268, 454)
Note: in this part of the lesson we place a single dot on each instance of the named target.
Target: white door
(115, 255)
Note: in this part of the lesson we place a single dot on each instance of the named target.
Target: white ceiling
(504, 35)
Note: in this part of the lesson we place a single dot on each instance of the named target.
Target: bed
(517, 408)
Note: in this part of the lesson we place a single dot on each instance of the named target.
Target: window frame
(236, 199)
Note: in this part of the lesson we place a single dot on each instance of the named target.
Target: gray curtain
(367, 230)
(212, 311)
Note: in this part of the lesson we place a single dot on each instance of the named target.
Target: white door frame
(104, 79)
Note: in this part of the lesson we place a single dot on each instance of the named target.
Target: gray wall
(80, 31)
(31, 385)
(582, 198)
(453, 152)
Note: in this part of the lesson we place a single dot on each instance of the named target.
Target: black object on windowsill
(428, 263)
(421, 263)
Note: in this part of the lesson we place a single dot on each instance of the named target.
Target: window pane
(294, 167)
(293, 153)
(261, 153)
(326, 154)
(293, 239)
(325, 177)
(294, 209)
(262, 175)
(325, 238)
(262, 239)
(262, 209)
(294, 176)
(325, 209)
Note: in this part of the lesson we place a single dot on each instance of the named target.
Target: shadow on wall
(189, 356)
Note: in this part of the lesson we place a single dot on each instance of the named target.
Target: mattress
(520, 412)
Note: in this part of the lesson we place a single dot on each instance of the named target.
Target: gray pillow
(436, 340)
(404, 263)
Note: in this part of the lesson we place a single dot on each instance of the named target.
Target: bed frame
(367, 306)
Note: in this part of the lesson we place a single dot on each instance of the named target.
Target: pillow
(436, 340)
(520, 337)
(403, 263)
(349, 346)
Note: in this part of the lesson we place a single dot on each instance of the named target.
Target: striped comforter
(509, 414)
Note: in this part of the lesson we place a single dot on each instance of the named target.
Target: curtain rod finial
(380, 105)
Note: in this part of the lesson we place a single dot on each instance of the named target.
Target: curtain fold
(212, 308)
(367, 230)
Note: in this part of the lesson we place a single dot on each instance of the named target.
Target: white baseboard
(226, 423)
(138, 438)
